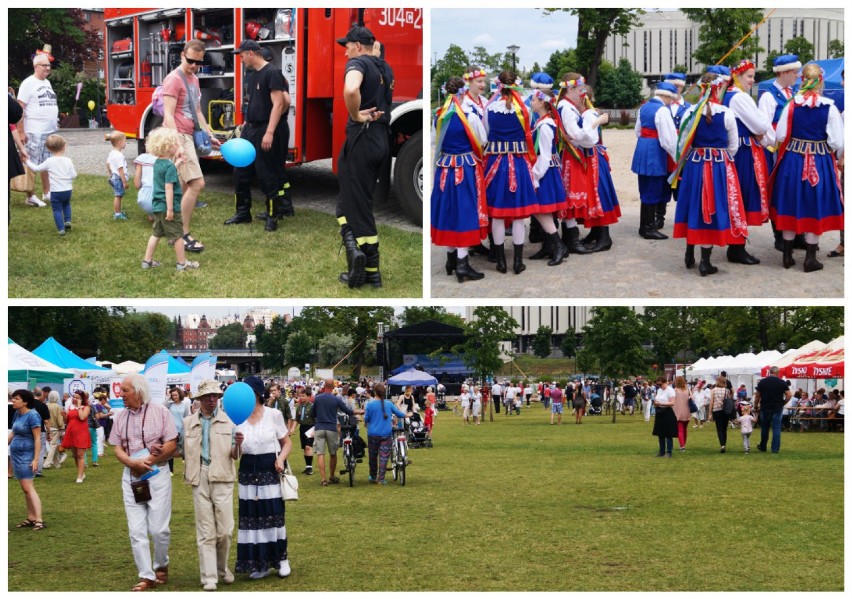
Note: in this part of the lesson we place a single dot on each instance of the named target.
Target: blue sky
(537, 35)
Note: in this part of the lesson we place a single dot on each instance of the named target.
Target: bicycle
(349, 459)
(399, 455)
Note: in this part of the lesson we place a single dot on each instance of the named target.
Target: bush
(619, 87)
(64, 81)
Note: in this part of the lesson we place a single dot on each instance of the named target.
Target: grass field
(513, 505)
(101, 257)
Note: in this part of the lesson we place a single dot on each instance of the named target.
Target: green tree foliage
(482, 58)
(835, 49)
(333, 347)
(452, 64)
(569, 345)
(594, 27)
(64, 80)
(560, 63)
(271, 342)
(414, 314)
(720, 29)
(63, 28)
(800, 46)
(299, 349)
(230, 336)
(541, 342)
(619, 87)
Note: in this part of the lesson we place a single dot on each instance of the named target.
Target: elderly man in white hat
(209, 450)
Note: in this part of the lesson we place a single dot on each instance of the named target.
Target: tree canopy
(230, 336)
(720, 29)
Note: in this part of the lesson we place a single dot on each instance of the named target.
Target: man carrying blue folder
(144, 437)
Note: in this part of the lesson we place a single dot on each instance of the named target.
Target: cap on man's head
(208, 388)
(358, 34)
(248, 46)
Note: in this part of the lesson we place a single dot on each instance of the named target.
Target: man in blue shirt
(326, 406)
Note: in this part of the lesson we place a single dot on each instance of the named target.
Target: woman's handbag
(693, 407)
(729, 407)
(289, 484)
(24, 183)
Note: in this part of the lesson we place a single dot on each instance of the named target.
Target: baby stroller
(418, 435)
(595, 404)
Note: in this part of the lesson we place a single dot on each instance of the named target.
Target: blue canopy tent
(833, 68)
(413, 377)
(56, 353)
(176, 366)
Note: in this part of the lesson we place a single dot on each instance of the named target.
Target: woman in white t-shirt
(665, 421)
(464, 400)
(476, 407)
(699, 396)
(265, 445)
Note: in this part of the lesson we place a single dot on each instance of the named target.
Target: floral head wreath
(743, 66)
(573, 82)
(541, 96)
(474, 74)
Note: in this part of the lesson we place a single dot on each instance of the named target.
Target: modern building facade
(668, 39)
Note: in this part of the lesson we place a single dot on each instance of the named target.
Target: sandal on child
(39, 525)
(143, 585)
(192, 245)
(26, 524)
(146, 264)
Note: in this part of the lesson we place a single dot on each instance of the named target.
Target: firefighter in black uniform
(267, 100)
(367, 93)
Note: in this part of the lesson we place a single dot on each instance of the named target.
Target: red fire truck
(144, 44)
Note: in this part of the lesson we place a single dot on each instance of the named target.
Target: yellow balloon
(91, 104)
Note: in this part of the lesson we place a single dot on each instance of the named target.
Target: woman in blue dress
(755, 133)
(547, 173)
(24, 452)
(806, 196)
(709, 207)
(458, 208)
(510, 154)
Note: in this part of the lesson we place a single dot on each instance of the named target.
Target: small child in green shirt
(163, 143)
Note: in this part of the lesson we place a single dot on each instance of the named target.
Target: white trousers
(214, 525)
(150, 518)
(100, 434)
(646, 409)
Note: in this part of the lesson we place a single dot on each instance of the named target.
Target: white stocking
(498, 231)
(546, 222)
(812, 238)
(788, 235)
(462, 252)
(519, 232)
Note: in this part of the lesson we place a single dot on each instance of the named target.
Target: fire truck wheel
(408, 177)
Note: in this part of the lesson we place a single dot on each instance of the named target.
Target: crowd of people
(730, 163)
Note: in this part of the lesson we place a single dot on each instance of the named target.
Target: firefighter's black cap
(359, 34)
(248, 46)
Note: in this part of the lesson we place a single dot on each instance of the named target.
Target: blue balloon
(238, 402)
(238, 152)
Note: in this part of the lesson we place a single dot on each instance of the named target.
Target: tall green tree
(489, 326)
(569, 345)
(299, 349)
(333, 347)
(271, 342)
(63, 28)
(452, 64)
(619, 87)
(835, 49)
(720, 29)
(614, 337)
(594, 27)
(230, 336)
(414, 314)
(542, 345)
(481, 57)
(560, 63)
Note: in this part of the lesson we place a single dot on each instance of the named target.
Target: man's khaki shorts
(190, 169)
(323, 439)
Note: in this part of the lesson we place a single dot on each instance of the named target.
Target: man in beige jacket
(209, 452)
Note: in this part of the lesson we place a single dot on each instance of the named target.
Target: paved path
(314, 185)
(638, 268)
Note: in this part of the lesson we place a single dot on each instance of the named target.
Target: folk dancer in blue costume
(548, 135)
(458, 193)
(510, 154)
(474, 99)
(656, 144)
(678, 108)
(755, 133)
(806, 196)
(538, 81)
(771, 103)
(709, 208)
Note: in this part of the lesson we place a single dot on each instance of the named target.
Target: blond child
(61, 173)
(165, 204)
(117, 171)
(746, 421)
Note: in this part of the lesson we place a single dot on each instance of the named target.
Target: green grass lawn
(513, 505)
(101, 257)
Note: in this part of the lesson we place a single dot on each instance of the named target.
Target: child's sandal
(39, 525)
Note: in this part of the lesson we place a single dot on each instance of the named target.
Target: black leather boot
(689, 256)
(660, 215)
(647, 229)
(571, 239)
(518, 260)
(787, 256)
(500, 251)
(243, 211)
(480, 249)
(799, 242)
(271, 219)
(603, 241)
(811, 263)
(546, 250)
(560, 250)
(465, 271)
(371, 266)
(591, 237)
(738, 255)
(355, 260)
(452, 260)
(779, 238)
(704, 267)
(537, 234)
(285, 205)
(492, 249)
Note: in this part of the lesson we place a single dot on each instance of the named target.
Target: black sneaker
(761, 448)
(723, 450)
